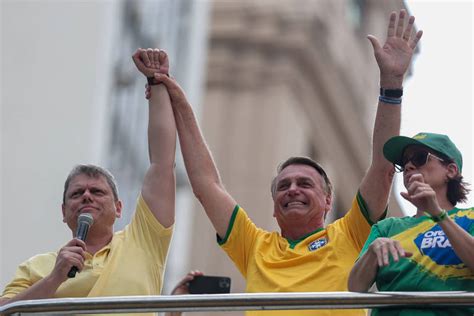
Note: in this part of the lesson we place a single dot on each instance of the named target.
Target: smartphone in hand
(206, 284)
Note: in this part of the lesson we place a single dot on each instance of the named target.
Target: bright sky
(439, 96)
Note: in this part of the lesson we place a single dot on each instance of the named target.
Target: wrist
(391, 82)
(152, 81)
(440, 216)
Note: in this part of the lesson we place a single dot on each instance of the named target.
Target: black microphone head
(85, 218)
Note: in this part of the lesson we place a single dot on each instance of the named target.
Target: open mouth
(295, 203)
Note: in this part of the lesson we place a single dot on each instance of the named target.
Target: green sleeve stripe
(365, 210)
(221, 241)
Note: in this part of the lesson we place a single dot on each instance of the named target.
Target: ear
(63, 210)
(118, 209)
(328, 205)
(453, 170)
(328, 202)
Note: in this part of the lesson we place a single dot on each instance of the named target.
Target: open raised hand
(395, 55)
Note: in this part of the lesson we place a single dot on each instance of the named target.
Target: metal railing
(237, 302)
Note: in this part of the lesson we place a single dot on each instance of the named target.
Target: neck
(296, 232)
(95, 241)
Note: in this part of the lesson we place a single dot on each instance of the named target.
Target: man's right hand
(150, 61)
(394, 57)
(71, 255)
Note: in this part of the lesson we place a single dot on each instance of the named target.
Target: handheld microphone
(84, 221)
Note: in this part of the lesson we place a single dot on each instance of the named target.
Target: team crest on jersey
(435, 244)
(317, 244)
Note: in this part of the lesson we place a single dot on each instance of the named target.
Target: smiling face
(300, 199)
(92, 195)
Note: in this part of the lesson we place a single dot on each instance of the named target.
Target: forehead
(299, 171)
(83, 180)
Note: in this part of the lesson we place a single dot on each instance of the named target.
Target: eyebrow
(298, 179)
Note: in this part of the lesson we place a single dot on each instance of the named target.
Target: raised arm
(202, 171)
(159, 185)
(393, 59)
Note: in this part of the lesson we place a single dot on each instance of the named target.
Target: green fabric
(394, 147)
(222, 241)
(293, 243)
(433, 266)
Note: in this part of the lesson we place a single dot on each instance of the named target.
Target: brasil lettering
(435, 244)
(433, 239)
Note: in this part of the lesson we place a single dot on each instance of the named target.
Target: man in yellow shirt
(128, 262)
(305, 256)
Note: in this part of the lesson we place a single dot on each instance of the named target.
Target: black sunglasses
(418, 159)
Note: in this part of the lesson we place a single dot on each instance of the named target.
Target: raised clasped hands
(395, 55)
(422, 195)
(150, 61)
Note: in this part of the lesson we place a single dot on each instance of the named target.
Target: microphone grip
(72, 272)
(81, 234)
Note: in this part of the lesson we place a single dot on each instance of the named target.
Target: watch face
(391, 93)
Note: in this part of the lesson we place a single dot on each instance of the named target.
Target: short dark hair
(92, 171)
(301, 160)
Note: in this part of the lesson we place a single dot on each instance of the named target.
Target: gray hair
(300, 160)
(92, 171)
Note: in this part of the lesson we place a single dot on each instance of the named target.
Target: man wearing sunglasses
(431, 251)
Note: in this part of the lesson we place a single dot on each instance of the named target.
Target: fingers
(406, 196)
(147, 92)
(76, 242)
(401, 22)
(136, 58)
(408, 30)
(190, 276)
(164, 62)
(151, 61)
(167, 81)
(71, 255)
(156, 58)
(383, 248)
(416, 39)
(391, 24)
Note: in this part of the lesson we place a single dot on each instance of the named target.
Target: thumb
(406, 196)
(167, 81)
(375, 42)
(408, 254)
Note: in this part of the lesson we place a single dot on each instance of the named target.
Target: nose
(409, 166)
(86, 196)
(293, 189)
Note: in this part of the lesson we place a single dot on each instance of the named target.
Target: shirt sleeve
(28, 273)
(147, 231)
(356, 223)
(240, 239)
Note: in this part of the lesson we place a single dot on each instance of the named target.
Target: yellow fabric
(268, 263)
(131, 264)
